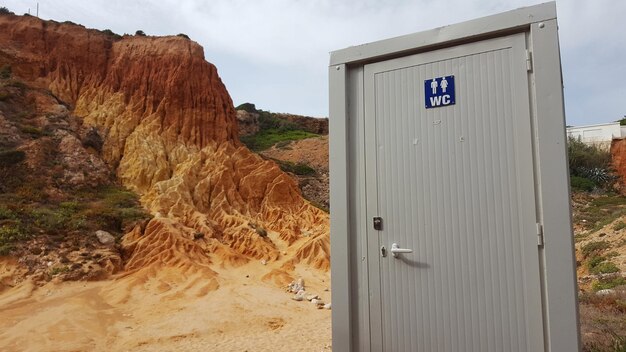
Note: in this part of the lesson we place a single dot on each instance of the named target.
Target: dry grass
(603, 321)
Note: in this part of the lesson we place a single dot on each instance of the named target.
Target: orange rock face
(618, 159)
(171, 135)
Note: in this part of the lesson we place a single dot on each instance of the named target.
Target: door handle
(395, 250)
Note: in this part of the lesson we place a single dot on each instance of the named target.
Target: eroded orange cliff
(170, 132)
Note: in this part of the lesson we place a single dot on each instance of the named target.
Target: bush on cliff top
(248, 107)
(267, 138)
(589, 162)
(5, 11)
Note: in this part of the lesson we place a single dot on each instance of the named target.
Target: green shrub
(295, 168)
(594, 247)
(5, 72)
(59, 270)
(604, 268)
(7, 214)
(182, 35)
(140, 33)
(6, 249)
(5, 11)
(599, 265)
(49, 220)
(112, 34)
(619, 225)
(119, 197)
(248, 107)
(9, 234)
(608, 283)
(267, 138)
(612, 254)
(32, 130)
(581, 184)
(589, 161)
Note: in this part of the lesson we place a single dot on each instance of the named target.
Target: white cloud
(275, 52)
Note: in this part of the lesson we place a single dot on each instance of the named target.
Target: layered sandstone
(618, 161)
(170, 132)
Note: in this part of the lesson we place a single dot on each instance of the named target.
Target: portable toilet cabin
(450, 220)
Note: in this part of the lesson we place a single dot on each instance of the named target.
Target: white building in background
(600, 134)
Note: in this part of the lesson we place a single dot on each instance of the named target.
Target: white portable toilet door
(455, 184)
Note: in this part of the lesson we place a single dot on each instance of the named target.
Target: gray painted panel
(560, 276)
(340, 238)
(453, 185)
(358, 262)
(465, 31)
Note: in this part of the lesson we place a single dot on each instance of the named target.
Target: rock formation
(169, 131)
(618, 161)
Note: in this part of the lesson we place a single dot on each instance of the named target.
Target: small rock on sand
(105, 238)
(605, 292)
(311, 297)
(327, 306)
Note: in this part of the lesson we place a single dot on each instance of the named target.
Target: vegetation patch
(267, 138)
(601, 211)
(619, 226)
(59, 270)
(108, 208)
(581, 184)
(5, 11)
(594, 248)
(299, 169)
(111, 34)
(9, 235)
(599, 265)
(272, 130)
(608, 283)
(589, 162)
(32, 131)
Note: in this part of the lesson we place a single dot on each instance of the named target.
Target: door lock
(378, 223)
(383, 251)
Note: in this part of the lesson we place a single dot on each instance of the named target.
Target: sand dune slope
(166, 310)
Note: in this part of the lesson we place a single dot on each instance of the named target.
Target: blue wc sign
(439, 92)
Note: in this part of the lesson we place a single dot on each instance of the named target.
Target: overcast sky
(274, 53)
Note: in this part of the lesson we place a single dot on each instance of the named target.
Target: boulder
(105, 238)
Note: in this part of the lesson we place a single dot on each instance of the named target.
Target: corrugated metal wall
(452, 186)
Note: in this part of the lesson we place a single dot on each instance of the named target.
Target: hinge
(529, 61)
(539, 234)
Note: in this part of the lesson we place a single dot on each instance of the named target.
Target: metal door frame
(350, 321)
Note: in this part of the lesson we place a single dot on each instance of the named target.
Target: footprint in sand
(275, 323)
